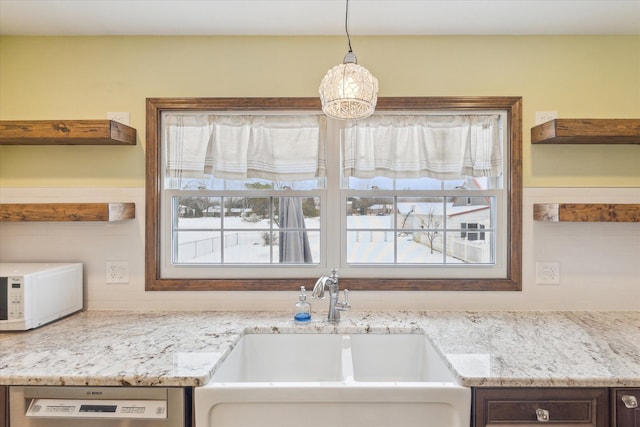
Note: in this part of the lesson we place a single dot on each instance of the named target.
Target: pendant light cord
(346, 25)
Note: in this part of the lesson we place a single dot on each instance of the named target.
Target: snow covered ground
(245, 242)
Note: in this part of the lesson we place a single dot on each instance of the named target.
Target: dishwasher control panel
(103, 406)
(90, 408)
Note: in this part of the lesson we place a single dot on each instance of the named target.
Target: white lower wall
(599, 262)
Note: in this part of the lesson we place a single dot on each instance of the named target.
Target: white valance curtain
(292, 147)
(441, 147)
(278, 148)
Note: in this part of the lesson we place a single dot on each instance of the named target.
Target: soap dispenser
(302, 312)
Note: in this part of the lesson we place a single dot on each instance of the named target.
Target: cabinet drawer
(541, 406)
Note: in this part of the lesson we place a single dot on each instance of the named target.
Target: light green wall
(85, 77)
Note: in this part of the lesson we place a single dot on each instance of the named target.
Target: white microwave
(33, 294)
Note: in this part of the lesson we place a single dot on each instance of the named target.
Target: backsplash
(599, 264)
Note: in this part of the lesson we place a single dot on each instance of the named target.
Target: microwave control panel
(15, 298)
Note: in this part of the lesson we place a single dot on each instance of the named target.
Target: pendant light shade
(348, 90)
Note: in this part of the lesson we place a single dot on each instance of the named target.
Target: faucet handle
(346, 298)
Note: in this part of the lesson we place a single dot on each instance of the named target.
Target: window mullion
(333, 223)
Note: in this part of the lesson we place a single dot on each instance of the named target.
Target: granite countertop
(484, 349)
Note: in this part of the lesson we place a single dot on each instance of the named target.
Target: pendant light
(348, 91)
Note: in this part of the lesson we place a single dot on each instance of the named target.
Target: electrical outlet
(545, 116)
(120, 117)
(117, 271)
(548, 273)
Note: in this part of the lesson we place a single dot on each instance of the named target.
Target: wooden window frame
(513, 185)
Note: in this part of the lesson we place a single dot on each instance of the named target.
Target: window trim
(513, 186)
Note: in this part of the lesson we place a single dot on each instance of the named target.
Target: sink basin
(397, 357)
(283, 358)
(356, 380)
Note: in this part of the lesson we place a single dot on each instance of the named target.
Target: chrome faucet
(332, 283)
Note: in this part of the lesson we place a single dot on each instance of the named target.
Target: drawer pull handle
(630, 401)
(542, 415)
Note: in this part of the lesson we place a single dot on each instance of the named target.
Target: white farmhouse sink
(371, 380)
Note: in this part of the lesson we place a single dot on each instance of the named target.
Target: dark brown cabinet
(625, 407)
(570, 407)
(4, 415)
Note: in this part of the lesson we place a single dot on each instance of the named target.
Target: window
(259, 193)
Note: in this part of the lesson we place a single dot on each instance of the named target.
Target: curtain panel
(441, 147)
(277, 148)
(185, 139)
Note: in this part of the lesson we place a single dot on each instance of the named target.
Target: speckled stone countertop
(520, 349)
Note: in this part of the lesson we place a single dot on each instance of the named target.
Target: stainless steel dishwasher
(55, 406)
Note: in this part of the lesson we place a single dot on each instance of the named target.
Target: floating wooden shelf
(587, 131)
(22, 212)
(66, 132)
(586, 212)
